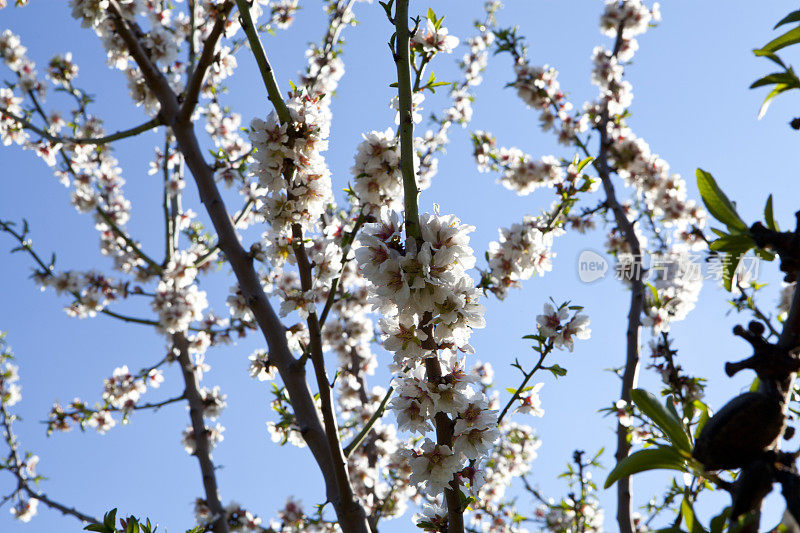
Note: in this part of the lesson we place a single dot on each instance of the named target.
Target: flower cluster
(519, 172)
(122, 389)
(523, 251)
(555, 324)
(260, 367)
(224, 128)
(510, 458)
(376, 172)
(410, 280)
(178, 301)
(14, 55)
(10, 391)
(286, 430)
(663, 193)
(92, 171)
(539, 88)
(289, 165)
(325, 66)
(213, 434)
(563, 518)
(62, 70)
(472, 65)
(474, 62)
(629, 18)
(429, 303)
(239, 519)
(121, 392)
(25, 505)
(677, 286)
(659, 193)
(92, 290)
(282, 13)
(434, 38)
(10, 132)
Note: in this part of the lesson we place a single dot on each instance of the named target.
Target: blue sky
(692, 105)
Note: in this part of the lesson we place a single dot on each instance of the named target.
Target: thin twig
(201, 440)
(377, 415)
(527, 377)
(264, 67)
(136, 130)
(206, 59)
(22, 481)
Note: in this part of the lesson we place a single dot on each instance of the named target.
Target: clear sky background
(692, 105)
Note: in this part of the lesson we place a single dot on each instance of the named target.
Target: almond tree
(341, 269)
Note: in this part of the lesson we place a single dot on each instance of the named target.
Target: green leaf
(665, 420)
(766, 255)
(660, 458)
(692, 524)
(556, 370)
(133, 526)
(718, 522)
(581, 165)
(717, 203)
(704, 416)
(787, 39)
(794, 16)
(736, 242)
(465, 501)
(101, 528)
(654, 293)
(787, 78)
(769, 216)
(110, 519)
(781, 87)
(670, 405)
(729, 268)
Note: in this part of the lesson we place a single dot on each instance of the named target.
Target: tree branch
(526, 378)
(202, 443)
(630, 374)
(136, 130)
(403, 62)
(267, 74)
(292, 374)
(22, 480)
(377, 415)
(351, 511)
(206, 59)
(433, 370)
